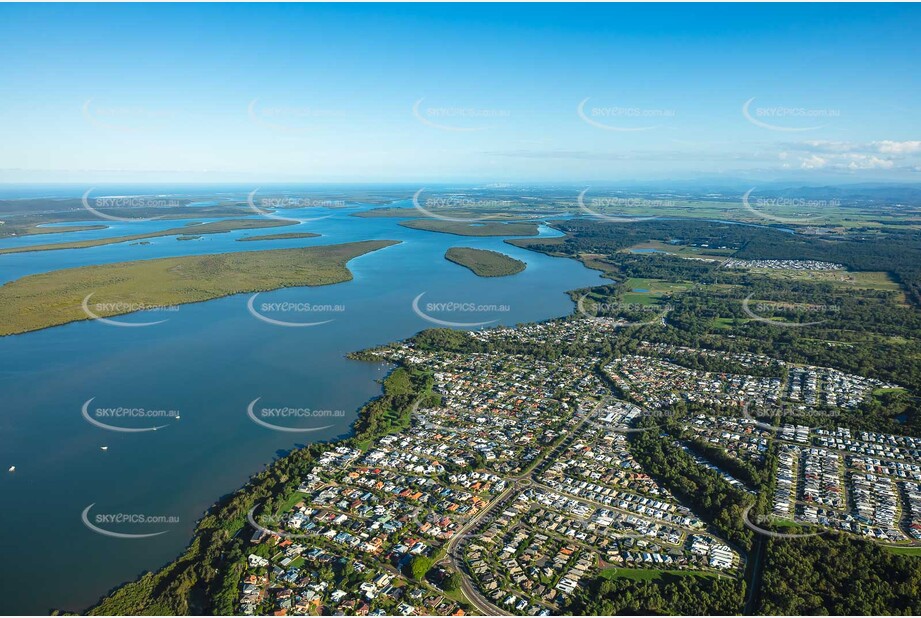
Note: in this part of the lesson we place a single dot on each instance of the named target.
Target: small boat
(177, 417)
(105, 448)
(12, 468)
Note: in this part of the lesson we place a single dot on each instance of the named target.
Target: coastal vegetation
(190, 229)
(478, 228)
(22, 217)
(485, 263)
(285, 236)
(453, 213)
(389, 211)
(49, 299)
(32, 230)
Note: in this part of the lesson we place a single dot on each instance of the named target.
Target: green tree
(452, 582)
(418, 567)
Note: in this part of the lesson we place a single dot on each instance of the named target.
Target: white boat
(12, 468)
(105, 448)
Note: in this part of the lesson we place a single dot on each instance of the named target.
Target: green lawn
(868, 280)
(639, 291)
(681, 250)
(650, 574)
(904, 551)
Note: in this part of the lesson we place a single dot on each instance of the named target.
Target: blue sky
(512, 93)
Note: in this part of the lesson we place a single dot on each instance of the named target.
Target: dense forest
(838, 575)
(668, 595)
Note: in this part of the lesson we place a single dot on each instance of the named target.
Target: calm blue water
(207, 362)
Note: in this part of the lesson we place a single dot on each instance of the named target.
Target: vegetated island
(32, 230)
(50, 299)
(190, 229)
(485, 263)
(398, 212)
(390, 211)
(285, 236)
(474, 228)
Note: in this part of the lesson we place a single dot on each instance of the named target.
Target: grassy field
(650, 291)
(215, 227)
(485, 263)
(49, 299)
(650, 574)
(681, 250)
(285, 236)
(483, 228)
(864, 280)
(904, 551)
(840, 278)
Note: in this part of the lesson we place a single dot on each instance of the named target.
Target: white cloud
(864, 162)
(854, 156)
(813, 162)
(826, 146)
(898, 148)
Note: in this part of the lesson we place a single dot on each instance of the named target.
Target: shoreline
(172, 275)
(249, 495)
